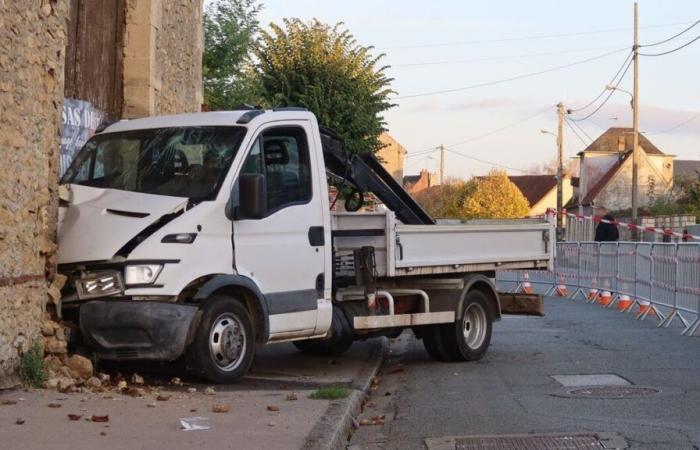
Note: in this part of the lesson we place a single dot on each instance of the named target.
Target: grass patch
(330, 393)
(31, 367)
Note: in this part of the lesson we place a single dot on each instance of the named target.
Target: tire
(432, 341)
(224, 342)
(339, 341)
(469, 337)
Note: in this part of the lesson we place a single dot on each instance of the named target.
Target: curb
(331, 431)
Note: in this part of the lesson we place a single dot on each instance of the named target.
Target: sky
(450, 45)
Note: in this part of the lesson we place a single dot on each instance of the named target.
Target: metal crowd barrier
(661, 280)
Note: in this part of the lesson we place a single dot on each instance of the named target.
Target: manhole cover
(543, 441)
(613, 392)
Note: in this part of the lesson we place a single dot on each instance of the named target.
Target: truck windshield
(187, 162)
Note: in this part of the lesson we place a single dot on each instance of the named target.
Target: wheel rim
(474, 325)
(227, 342)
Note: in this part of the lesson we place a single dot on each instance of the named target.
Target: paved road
(512, 390)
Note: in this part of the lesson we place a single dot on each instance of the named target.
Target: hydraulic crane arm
(366, 174)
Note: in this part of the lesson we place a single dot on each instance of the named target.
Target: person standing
(605, 232)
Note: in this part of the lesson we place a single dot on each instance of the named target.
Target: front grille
(126, 354)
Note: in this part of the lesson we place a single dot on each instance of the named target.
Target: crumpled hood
(98, 222)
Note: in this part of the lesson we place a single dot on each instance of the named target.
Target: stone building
(116, 58)
(392, 156)
(606, 171)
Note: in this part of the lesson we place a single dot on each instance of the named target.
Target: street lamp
(560, 172)
(635, 147)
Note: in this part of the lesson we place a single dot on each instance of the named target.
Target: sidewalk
(270, 409)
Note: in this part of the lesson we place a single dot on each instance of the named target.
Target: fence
(649, 229)
(661, 280)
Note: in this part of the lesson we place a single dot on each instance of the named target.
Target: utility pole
(442, 164)
(560, 170)
(635, 119)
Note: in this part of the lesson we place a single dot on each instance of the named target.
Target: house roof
(686, 168)
(534, 187)
(410, 179)
(619, 139)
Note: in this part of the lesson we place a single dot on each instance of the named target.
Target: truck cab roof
(214, 118)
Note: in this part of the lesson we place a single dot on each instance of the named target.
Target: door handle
(316, 236)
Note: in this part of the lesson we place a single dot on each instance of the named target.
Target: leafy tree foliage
(229, 34)
(324, 69)
(495, 197)
(490, 197)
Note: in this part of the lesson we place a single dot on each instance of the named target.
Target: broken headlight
(99, 284)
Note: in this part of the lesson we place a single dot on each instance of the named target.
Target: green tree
(495, 197)
(444, 201)
(324, 69)
(229, 34)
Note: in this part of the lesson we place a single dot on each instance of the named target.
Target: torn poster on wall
(79, 120)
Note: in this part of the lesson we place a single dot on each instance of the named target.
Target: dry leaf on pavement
(100, 418)
(221, 408)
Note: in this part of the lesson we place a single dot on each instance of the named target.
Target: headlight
(141, 273)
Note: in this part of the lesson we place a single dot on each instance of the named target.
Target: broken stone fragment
(54, 345)
(136, 379)
(81, 366)
(47, 328)
(94, 383)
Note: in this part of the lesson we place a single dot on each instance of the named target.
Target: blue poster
(79, 120)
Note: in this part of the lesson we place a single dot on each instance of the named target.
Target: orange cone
(592, 294)
(561, 289)
(624, 302)
(645, 306)
(526, 287)
(605, 298)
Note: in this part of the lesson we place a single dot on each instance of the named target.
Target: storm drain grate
(613, 392)
(543, 441)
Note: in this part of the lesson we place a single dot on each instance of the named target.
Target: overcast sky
(444, 32)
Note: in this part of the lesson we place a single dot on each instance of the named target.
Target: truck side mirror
(252, 196)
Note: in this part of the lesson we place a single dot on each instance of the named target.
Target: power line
(501, 58)
(672, 37)
(576, 133)
(673, 50)
(604, 89)
(505, 127)
(687, 121)
(514, 78)
(583, 131)
(422, 152)
(612, 91)
(528, 38)
(485, 161)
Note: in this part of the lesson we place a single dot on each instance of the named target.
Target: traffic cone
(605, 298)
(525, 286)
(624, 302)
(645, 306)
(561, 289)
(592, 293)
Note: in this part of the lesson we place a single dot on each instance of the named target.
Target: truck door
(284, 251)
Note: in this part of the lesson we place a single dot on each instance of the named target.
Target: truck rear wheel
(224, 342)
(432, 341)
(469, 337)
(337, 343)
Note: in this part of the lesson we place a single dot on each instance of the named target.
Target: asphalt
(513, 390)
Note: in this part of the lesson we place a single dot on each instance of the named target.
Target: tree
(495, 197)
(324, 69)
(229, 34)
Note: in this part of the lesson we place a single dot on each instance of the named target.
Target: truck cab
(203, 235)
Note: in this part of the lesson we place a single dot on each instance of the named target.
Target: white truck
(201, 236)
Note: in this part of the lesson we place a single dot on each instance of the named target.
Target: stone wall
(179, 46)
(162, 57)
(32, 44)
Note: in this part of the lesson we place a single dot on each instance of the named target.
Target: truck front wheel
(469, 337)
(224, 342)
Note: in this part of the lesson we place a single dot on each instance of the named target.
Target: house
(541, 191)
(606, 171)
(392, 156)
(416, 183)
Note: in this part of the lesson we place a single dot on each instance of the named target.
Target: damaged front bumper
(128, 329)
